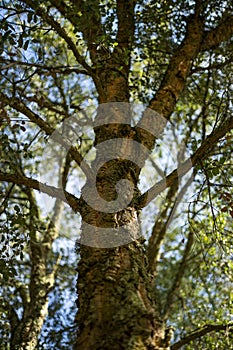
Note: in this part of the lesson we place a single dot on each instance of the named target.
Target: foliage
(52, 62)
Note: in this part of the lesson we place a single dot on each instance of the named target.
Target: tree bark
(117, 309)
(25, 331)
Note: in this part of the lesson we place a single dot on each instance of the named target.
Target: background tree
(63, 62)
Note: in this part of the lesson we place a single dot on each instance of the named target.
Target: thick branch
(176, 75)
(35, 303)
(93, 33)
(179, 68)
(36, 185)
(200, 332)
(120, 59)
(18, 105)
(125, 15)
(221, 33)
(23, 291)
(201, 153)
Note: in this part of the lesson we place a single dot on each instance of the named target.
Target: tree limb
(125, 32)
(36, 185)
(176, 74)
(201, 153)
(196, 40)
(200, 332)
(23, 292)
(94, 33)
(13, 318)
(221, 33)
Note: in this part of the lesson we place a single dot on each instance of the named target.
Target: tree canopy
(135, 97)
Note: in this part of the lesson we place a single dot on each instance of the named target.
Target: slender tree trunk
(25, 331)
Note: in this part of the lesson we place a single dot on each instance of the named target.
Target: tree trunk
(116, 307)
(25, 331)
(115, 302)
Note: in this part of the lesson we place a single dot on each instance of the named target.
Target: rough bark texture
(116, 306)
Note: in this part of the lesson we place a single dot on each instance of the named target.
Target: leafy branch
(61, 32)
(200, 332)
